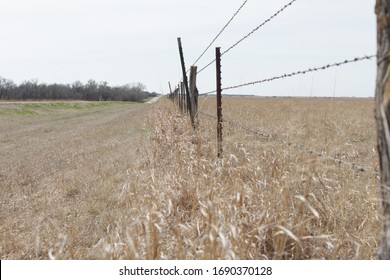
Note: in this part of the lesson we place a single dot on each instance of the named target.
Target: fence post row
(188, 98)
(219, 100)
(382, 97)
(185, 80)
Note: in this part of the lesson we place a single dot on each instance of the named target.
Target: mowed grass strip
(60, 173)
(45, 107)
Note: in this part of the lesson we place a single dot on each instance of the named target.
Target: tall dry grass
(261, 200)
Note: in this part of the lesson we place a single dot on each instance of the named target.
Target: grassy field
(47, 107)
(61, 165)
(136, 182)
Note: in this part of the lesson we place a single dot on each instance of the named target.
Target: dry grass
(171, 198)
(261, 200)
(60, 174)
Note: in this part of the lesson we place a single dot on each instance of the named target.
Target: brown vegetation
(159, 192)
(61, 169)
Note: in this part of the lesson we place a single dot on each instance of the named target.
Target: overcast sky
(125, 41)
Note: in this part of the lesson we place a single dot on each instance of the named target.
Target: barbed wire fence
(179, 94)
(219, 34)
(298, 146)
(301, 72)
(249, 34)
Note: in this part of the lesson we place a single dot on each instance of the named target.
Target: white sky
(125, 41)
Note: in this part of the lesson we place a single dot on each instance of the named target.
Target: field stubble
(161, 193)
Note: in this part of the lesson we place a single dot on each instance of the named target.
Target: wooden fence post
(194, 97)
(382, 97)
(219, 100)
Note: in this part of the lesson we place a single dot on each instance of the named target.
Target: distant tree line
(91, 91)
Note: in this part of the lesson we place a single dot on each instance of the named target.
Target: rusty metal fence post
(185, 80)
(170, 91)
(219, 100)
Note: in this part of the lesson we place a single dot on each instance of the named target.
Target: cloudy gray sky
(125, 41)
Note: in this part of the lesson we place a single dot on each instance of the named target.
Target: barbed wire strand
(250, 33)
(222, 30)
(337, 64)
(300, 147)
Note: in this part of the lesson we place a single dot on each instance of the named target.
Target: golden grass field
(127, 181)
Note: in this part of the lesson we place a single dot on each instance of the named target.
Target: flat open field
(58, 163)
(127, 181)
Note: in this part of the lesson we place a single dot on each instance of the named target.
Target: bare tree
(104, 91)
(92, 90)
(382, 97)
(78, 90)
(6, 86)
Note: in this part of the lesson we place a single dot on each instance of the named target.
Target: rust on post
(219, 101)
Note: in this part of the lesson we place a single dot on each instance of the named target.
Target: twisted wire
(250, 33)
(303, 72)
(219, 34)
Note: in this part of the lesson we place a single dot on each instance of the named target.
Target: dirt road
(154, 99)
(58, 172)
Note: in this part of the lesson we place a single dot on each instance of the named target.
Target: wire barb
(302, 72)
(258, 27)
(250, 33)
(219, 34)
